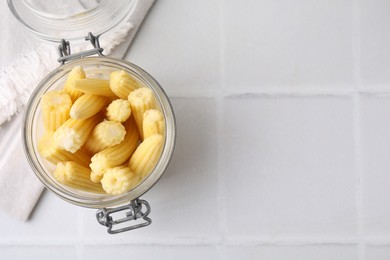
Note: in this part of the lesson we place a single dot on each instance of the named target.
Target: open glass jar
(32, 130)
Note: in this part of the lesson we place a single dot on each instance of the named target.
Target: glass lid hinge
(66, 55)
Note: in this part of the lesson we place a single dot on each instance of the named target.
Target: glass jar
(71, 19)
(100, 66)
(32, 130)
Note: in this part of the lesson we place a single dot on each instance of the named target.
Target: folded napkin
(19, 187)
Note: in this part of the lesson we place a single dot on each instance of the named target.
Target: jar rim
(29, 140)
(105, 16)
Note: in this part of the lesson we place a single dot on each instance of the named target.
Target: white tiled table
(283, 148)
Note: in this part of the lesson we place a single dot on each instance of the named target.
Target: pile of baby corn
(104, 136)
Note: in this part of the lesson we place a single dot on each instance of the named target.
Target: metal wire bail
(135, 208)
(65, 52)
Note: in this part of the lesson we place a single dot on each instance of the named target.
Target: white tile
(184, 200)
(377, 253)
(52, 217)
(150, 252)
(287, 43)
(321, 252)
(289, 167)
(37, 252)
(375, 42)
(178, 44)
(376, 164)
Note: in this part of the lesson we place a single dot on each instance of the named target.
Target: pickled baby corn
(94, 86)
(87, 105)
(119, 180)
(53, 154)
(72, 134)
(141, 100)
(76, 176)
(119, 110)
(153, 123)
(74, 131)
(55, 109)
(105, 134)
(146, 156)
(121, 83)
(76, 73)
(115, 155)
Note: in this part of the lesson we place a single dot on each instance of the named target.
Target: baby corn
(115, 155)
(146, 156)
(119, 110)
(86, 106)
(55, 109)
(76, 73)
(119, 180)
(141, 100)
(72, 134)
(105, 134)
(76, 176)
(121, 83)
(53, 154)
(94, 86)
(153, 123)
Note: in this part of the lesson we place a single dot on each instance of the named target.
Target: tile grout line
(289, 93)
(286, 241)
(359, 175)
(379, 242)
(219, 98)
(359, 196)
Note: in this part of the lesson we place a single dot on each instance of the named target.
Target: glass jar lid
(71, 19)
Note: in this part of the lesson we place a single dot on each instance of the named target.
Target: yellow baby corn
(119, 110)
(121, 83)
(76, 73)
(87, 105)
(141, 100)
(55, 109)
(115, 155)
(94, 86)
(146, 156)
(72, 134)
(119, 180)
(53, 154)
(76, 176)
(153, 123)
(105, 134)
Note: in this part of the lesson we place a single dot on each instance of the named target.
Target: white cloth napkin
(20, 71)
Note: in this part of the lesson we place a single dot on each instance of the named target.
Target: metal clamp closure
(65, 53)
(135, 212)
